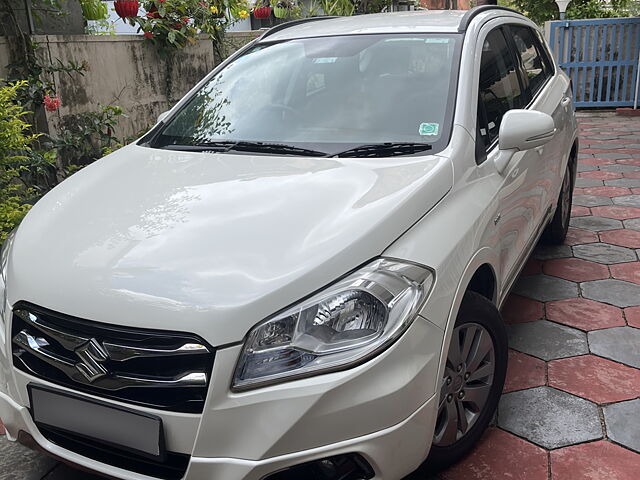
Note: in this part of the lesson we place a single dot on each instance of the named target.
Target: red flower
(51, 104)
(162, 1)
(148, 35)
(185, 20)
(177, 26)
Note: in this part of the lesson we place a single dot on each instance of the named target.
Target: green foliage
(173, 24)
(338, 7)
(15, 144)
(542, 10)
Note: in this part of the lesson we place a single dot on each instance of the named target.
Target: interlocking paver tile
(618, 213)
(524, 371)
(548, 252)
(629, 272)
(591, 201)
(517, 309)
(594, 461)
(532, 267)
(629, 161)
(631, 174)
(549, 417)
(615, 292)
(578, 236)
(575, 269)
(584, 314)
(633, 223)
(619, 168)
(632, 314)
(625, 238)
(623, 423)
(547, 340)
(518, 460)
(545, 288)
(606, 191)
(621, 344)
(595, 378)
(596, 224)
(597, 161)
(578, 211)
(583, 167)
(20, 463)
(604, 253)
(588, 182)
(627, 200)
(600, 175)
(623, 182)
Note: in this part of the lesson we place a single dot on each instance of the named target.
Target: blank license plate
(115, 426)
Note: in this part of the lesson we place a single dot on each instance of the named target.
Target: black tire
(475, 310)
(556, 232)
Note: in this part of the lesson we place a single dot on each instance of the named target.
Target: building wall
(122, 70)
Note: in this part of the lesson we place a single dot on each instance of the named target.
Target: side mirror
(162, 116)
(522, 130)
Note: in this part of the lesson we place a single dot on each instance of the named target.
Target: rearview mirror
(525, 129)
(522, 130)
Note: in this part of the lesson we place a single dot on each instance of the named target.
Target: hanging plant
(262, 12)
(127, 8)
(94, 9)
(285, 8)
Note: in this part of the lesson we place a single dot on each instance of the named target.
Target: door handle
(566, 101)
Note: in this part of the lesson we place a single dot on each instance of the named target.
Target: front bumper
(384, 410)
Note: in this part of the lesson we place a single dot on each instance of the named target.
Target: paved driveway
(571, 408)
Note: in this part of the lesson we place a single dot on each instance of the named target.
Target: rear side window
(536, 70)
(499, 89)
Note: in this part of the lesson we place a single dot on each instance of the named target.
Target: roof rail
(293, 23)
(474, 12)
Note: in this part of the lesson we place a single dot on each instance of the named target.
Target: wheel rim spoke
(467, 382)
(477, 395)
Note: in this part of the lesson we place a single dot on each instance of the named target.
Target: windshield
(327, 95)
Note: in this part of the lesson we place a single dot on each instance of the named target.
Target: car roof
(420, 21)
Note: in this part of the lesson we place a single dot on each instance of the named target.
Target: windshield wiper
(276, 148)
(389, 149)
(201, 147)
(242, 146)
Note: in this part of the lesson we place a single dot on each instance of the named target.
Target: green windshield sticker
(430, 129)
(436, 40)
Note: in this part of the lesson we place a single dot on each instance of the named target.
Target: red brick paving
(600, 175)
(619, 213)
(2, 431)
(584, 314)
(575, 269)
(631, 174)
(524, 371)
(532, 267)
(519, 309)
(624, 238)
(632, 314)
(600, 460)
(597, 161)
(579, 236)
(595, 378)
(578, 211)
(500, 455)
(629, 161)
(629, 272)
(606, 191)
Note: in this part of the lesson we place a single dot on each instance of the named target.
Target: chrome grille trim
(113, 361)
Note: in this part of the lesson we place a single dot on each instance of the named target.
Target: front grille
(157, 369)
(173, 467)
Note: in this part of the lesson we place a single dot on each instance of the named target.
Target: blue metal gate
(601, 58)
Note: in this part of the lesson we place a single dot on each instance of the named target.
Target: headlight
(346, 324)
(4, 259)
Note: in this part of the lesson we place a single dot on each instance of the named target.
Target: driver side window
(499, 87)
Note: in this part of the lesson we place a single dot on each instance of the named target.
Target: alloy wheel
(467, 382)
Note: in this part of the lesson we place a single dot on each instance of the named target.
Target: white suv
(297, 273)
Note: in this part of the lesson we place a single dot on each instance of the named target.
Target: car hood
(212, 243)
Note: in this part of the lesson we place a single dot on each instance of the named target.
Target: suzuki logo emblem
(91, 356)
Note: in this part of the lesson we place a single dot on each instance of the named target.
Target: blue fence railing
(601, 58)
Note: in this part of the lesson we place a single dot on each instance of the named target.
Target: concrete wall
(123, 70)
